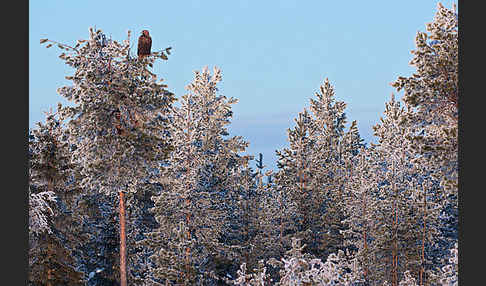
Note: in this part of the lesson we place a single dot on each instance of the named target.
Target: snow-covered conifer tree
(118, 121)
(269, 222)
(52, 229)
(298, 268)
(336, 148)
(251, 279)
(360, 203)
(432, 91)
(243, 216)
(294, 176)
(313, 170)
(396, 190)
(191, 208)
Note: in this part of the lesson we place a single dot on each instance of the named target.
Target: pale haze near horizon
(273, 55)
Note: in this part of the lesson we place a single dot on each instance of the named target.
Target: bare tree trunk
(50, 187)
(123, 259)
(281, 221)
(395, 228)
(395, 223)
(422, 269)
(302, 188)
(188, 235)
(49, 269)
(365, 241)
(187, 201)
(395, 270)
(247, 223)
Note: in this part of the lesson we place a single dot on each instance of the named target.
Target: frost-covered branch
(40, 211)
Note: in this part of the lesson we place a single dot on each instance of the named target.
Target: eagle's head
(145, 33)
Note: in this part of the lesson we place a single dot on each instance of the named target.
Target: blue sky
(274, 55)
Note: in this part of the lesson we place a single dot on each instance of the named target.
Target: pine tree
(140, 221)
(401, 214)
(270, 213)
(334, 156)
(52, 231)
(393, 192)
(191, 210)
(118, 122)
(276, 219)
(448, 274)
(432, 91)
(243, 214)
(265, 226)
(294, 177)
(360, 202)
(314, 169)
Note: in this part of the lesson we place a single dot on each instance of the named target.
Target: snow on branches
(40, 211)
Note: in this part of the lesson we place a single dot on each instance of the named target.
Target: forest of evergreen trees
(128, 188)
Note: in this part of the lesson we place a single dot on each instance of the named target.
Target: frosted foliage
(393, 199)
(448, 273)
(433, 92)
(446, 276)
(300, 269)
(118, 121)
(434, 87)
(397, 201)
(40, 211)
(418, 145)
(392, 204)
(314, 168)
(408, 280)
(190, 210)
(252, 279)
(361, 205)
(48, 171)
(273, 212)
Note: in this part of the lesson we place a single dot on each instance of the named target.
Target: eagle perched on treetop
(144, 44)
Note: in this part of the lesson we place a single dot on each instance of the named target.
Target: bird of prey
(144, 44)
